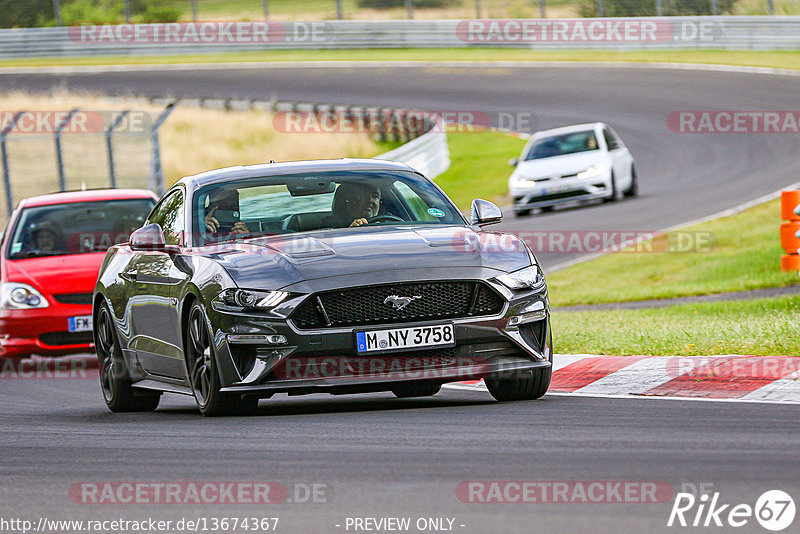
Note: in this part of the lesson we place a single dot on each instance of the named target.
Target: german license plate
(441, 335)
(80, 323)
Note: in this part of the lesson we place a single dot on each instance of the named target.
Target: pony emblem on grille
(399, 303)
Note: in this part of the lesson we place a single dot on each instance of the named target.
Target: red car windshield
(76, 228)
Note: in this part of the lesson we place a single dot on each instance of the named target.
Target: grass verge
(744, 255)
(479, 166)
(755, 327)
(784, 59)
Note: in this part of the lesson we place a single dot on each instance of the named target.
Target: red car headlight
(16, 296)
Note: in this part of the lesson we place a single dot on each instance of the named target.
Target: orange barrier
(789, 239)
(790, 201)
(790, 262)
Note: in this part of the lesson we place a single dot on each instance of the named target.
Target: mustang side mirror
(151, 237)
(485, 212)
(513, 162)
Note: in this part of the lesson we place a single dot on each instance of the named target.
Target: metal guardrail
(724, 32)
(429, 153)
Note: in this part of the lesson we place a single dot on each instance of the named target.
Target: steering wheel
(385, 218)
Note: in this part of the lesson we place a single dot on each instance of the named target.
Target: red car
(52, 250)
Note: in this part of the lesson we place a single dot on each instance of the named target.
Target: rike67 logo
(774, 510)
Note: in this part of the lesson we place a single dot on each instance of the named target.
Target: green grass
(776, 59)
(756, 327)
(746, 256)
(479, 167)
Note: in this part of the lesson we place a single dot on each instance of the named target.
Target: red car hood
(75, 273)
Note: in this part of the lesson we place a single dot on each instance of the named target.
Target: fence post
(409, 9)
(771, 7)
(110, 147)
(659, 8)
(477, 9)
(338, 9)
(194, 10)
(156, 172)
(542, 9)
(62, 179)
(4, 157)
(600, 11)
(714, 7)
(57, 14)
(265, 8)
(127, 8)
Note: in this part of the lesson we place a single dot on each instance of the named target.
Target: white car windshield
(559, 145)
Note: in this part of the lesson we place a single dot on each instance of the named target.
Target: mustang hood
(413, 252)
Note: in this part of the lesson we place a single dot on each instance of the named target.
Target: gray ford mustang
(342, 276)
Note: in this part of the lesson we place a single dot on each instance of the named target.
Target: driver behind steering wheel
(354, 204)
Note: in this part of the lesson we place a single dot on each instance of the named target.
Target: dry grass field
(192, 140)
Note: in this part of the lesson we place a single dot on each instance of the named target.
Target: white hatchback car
(571, 164)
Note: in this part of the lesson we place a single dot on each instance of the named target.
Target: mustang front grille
(397, 303)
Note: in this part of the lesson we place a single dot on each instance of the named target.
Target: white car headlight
(598, 169)
(16, 296)
(242, 299)
(527, 278)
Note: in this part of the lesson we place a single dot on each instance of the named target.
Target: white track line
(636, 378)
(786, 389)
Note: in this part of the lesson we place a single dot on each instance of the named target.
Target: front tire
(616, 193)
(203, 374)
(406, 391)
(517, 386)
(115, 382)
(633, 190)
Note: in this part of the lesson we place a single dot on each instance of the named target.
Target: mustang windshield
(308, 202)
(559, 145)
(77, 227)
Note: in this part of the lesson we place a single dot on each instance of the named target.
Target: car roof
(86, 196)
(292, 167)
(570, 129)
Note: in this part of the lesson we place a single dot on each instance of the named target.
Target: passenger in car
(354, 204)
(224, 202)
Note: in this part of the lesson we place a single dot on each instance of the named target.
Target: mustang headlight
(598, 169)
(527, 278)
(247, 299)
(15, 296)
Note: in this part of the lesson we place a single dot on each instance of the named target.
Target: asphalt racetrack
(682, 176)
(376, 456)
